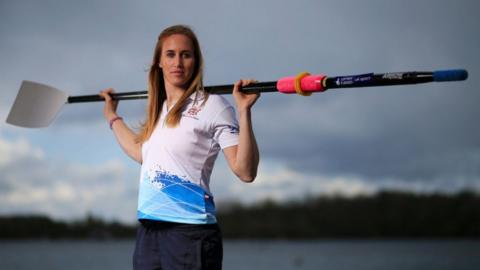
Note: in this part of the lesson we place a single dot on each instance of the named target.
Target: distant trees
(27, 227)
(385, 215)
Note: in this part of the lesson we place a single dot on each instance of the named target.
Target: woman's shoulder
(216, 105)
(218, 101)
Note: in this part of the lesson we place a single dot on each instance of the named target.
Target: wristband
(113, 120)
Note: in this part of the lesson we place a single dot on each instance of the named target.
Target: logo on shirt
(192, 112)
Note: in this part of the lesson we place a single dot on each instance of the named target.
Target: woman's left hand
(244, 101)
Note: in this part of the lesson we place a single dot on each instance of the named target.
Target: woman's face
(177, 60)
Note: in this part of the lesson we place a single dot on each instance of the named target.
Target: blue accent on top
(168, 197)
(450, 75)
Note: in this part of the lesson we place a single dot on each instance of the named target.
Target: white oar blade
(36, 105)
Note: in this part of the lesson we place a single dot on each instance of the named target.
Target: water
(345, 254)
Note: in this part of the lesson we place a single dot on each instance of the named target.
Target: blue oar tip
(450, 75)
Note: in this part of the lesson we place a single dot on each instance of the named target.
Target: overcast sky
(423, 138)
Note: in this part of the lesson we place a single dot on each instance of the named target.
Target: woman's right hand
(110, 108)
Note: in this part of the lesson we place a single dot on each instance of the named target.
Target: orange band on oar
(298, 84)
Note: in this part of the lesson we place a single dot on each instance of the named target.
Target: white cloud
(11, 152)
(280, 183)
(39, 183)
(32, 182)
(277, 182)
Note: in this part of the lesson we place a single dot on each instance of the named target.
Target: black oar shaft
(117, 96)
(218, 89)
(381, 79)
(362, 80)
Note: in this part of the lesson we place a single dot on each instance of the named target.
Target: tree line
(385, 215)
(388, 214)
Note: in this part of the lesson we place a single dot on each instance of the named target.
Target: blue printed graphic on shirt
(168, 197)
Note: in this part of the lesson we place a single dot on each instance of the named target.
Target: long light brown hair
(156, 84)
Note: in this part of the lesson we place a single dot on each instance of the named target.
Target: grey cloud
(410, 133)
(426, 136)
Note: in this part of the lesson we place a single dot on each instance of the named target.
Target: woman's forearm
(127, 140)
(248, 157)
(124, 135)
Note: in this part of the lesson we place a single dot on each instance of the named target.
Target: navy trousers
(167, 245)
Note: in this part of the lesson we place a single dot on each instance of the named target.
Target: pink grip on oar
(310, 83)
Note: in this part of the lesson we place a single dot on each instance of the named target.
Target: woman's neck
(174, 93)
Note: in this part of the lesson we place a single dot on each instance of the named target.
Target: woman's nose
(178, 61)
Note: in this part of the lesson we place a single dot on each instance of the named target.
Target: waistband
(158, 224)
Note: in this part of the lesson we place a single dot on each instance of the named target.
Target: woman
(184, 131)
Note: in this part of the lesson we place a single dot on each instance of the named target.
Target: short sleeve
(226, 129)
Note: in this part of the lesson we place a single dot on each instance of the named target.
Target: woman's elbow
(135, 153)
(247, 177)
(137, 158)
(246, 173)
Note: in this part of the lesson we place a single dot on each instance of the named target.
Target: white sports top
(177, 162)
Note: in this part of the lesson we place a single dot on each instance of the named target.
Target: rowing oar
(37, 104)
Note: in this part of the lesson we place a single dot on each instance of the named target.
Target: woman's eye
(187, 55)
(170, 55)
